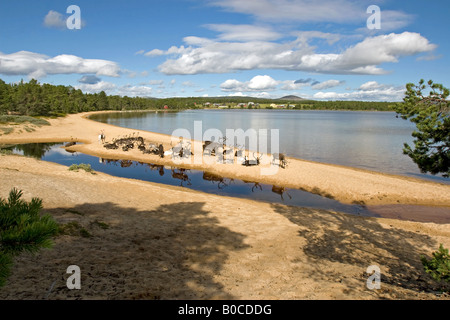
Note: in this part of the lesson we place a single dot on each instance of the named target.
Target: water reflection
(367, 140)
(281, 191)
(181, 174)
(33, 150)
(221, 181)
(192, 179)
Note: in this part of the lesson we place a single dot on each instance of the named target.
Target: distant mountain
(291, 98)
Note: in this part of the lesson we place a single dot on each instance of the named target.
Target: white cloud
(290, 85)
(55, 19)
(188, 84)
(306, 36)
(371, 85)
(363, 58)
(381, 93)
(342, 11)
(154, 53)
(429, 57)
(257, 83)
(230, 32)
(37, 65)
(134, 74)
(323, 11)
(108, 87)
(390, 20)
(112, 89)
(327, 84)
(135, 91)
(156, 82)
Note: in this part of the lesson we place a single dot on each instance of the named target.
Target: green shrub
(74, 229)
(6, 130)
(23, 119)
(439, 266)
(22, 229)
(101, 224)
(82, 166)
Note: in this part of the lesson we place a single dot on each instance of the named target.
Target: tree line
(35, 99)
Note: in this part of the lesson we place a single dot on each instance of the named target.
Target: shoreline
(345, 184)
(146, 241)
(414, 179)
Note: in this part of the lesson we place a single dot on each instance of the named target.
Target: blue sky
(263, 48)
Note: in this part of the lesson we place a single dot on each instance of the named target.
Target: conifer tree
(22, 229)
(430, 114)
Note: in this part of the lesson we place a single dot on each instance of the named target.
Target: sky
(324, 50)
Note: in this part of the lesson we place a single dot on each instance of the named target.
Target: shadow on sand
(349, 241)
(173, 252)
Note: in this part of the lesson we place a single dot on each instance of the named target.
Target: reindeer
(249, 163)
(211, 148)
(280, 191)
(281, 158)
(161, 151)
(228, 155)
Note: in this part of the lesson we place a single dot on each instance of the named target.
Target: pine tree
(439, 266)
(22, 229)
(430, 113)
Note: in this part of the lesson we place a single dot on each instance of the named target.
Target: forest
(35, 99)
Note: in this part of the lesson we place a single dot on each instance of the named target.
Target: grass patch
(6, 130)
(6, 152)
(74, 229)
(23, 119)
(100, 224)
(82, 166)
(75, 212)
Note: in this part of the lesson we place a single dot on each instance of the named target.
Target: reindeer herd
(184, 150)
(223, 153)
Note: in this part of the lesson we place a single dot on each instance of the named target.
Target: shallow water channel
(209, 183)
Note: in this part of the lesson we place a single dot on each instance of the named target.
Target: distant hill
(291, 98)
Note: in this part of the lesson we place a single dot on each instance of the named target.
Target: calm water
(213, 184)
(367, 140)
(192, 179)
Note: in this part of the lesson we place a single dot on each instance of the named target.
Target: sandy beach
(142, 240)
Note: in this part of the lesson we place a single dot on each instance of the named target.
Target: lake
(366, 140)
(214, 184)
(190, 179)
